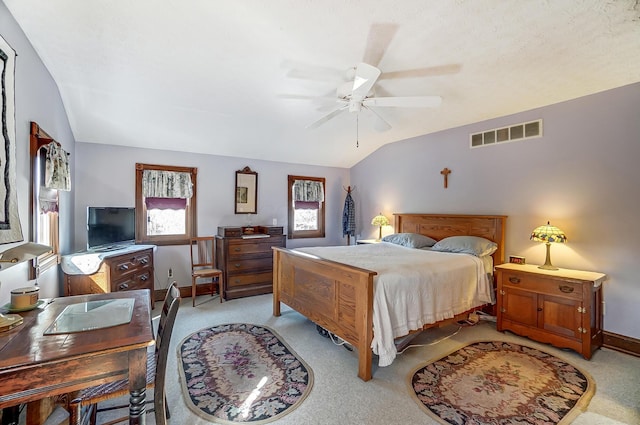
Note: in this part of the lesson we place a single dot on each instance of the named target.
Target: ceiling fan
(359, 94)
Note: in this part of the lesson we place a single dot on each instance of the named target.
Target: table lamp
(380, 221)
(548, 234)
(20, 253)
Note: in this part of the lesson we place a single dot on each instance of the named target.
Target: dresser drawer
(123, 265)
(137, 280)
(239, 266)
(542, 285)
(258, 248)
(250, 279)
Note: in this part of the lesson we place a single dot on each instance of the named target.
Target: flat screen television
(110, 227)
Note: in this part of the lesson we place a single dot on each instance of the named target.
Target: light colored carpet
(340, 397)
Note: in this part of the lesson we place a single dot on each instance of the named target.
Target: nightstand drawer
(543, 286)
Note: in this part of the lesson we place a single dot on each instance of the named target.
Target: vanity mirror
(246, 191)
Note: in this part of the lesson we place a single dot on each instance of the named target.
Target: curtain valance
(307, 194)
(56, 172)
(166, 184)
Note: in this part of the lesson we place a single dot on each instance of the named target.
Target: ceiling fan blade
(431, 71)
(328, 107)
(404, 102)
(366, 77)
(305, 97)
(327, 117)
(378, 40)
(380, 123)
(305, 71)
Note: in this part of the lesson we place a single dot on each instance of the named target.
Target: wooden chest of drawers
(247, 263)
(560, 307)
(117, 272)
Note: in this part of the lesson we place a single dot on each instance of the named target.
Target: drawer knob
(566, 289)
(237, 250)
(123, 286)
(144, 277)
(123, 267)
(144, 261)
(237, 265)
(513, 279)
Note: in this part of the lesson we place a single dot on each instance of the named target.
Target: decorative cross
(445, 172)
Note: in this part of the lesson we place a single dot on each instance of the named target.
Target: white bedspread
(413, 287)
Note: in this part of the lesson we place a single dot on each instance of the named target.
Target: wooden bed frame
(339, 297)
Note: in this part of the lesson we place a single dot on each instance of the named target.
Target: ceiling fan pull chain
(357, 135)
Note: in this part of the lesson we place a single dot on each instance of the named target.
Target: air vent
(527, 130)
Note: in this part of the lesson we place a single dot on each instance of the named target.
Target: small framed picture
(515, 259)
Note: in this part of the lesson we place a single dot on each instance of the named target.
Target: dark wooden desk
(34, 366)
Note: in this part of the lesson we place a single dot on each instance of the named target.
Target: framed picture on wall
(10, 227)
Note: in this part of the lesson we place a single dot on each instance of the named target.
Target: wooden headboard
(439, 226)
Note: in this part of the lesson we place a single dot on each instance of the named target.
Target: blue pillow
(473, 245)
(410, 240)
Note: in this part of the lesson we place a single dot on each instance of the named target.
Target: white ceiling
(210, 76)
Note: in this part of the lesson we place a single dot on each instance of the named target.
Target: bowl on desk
(24, 298)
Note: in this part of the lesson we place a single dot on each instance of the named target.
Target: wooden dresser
(245, 256)
(118, 270)
(559, 307)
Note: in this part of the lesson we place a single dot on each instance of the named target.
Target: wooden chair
(203, 265)
(156, 370)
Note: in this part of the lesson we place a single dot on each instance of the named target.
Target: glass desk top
(91, 315)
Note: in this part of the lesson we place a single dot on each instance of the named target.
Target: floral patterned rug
(501, 383)
(241, 373)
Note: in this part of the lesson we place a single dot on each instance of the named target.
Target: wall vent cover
(512, 133)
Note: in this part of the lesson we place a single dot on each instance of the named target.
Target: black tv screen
(110, 227)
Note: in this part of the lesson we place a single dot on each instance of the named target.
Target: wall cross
(445, 172)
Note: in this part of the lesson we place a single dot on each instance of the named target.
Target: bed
(340, 297)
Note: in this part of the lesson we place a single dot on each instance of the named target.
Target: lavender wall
(106, 176)
(37, 99)
(582, 175)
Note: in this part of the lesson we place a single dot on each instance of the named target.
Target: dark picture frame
(246, 191)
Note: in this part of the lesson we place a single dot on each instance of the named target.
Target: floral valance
(166, 184)
(56, 172)
(307, 194)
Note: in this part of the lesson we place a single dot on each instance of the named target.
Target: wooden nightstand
(559, 307)
(365, 241)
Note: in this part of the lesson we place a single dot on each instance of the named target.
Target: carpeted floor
(340, 397)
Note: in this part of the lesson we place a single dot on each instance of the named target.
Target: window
(45, 188)
(306, 207)
(165, 204)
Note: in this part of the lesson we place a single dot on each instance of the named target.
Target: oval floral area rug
(241, 373)
(501, 383)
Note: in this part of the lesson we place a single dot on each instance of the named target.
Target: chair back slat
(202, 252)
(163, 338)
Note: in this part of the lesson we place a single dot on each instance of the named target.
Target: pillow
(410, 240)
(473, 245)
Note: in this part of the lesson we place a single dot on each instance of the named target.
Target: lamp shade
(380, 220)
(21, 253)
(548, 233)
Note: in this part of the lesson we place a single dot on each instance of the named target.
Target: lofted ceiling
(246, 77)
